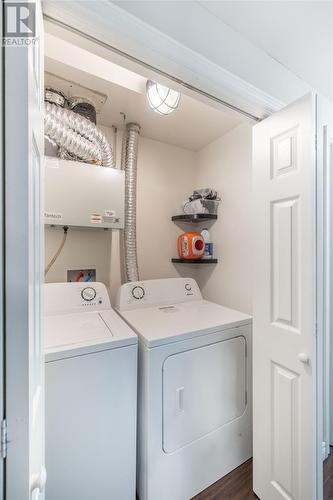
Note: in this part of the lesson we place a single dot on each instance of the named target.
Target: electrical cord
(58, 252)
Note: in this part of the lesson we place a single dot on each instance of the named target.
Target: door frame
(325, 271)
(2, 263)
(22, 135)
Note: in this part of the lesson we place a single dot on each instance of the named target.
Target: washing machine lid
(171, 323)
(77, 334)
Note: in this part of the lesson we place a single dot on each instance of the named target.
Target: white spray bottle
(208, 244)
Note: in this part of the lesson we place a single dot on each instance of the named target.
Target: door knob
(38, 481)
(303, 358)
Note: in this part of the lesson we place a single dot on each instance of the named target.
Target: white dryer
(91, 395)
(194, 403)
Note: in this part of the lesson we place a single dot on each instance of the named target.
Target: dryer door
(203, 389)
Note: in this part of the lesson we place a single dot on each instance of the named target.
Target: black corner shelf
(194, 261)
(193, 218)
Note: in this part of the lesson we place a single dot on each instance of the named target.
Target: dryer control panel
(160, 292)
(75, 297)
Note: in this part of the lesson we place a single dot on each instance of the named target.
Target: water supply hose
(58, 252)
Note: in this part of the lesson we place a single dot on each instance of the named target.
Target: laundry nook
(147, 198)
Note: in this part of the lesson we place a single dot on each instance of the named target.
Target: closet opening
(199, 152)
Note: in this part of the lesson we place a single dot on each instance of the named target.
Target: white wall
(306, 47)
(225, 164)
(167, 175)
(269, 44)
(165, 178)
(84, 249)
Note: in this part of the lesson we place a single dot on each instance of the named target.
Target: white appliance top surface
(76, 323)
(164, 324)
(172, 309)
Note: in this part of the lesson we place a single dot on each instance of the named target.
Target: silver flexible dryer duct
(77, 135)
(70, 140)
(129, 164)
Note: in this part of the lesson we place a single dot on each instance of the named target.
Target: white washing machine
(194, 386)
(91, 395)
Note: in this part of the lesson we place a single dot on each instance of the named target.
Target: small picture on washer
(81, 275)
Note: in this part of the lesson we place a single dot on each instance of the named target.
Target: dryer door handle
(180, 399)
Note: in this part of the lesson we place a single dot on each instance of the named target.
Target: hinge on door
(4, 441)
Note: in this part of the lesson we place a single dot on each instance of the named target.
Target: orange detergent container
(191, 245)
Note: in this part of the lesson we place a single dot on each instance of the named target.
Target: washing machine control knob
(188, 287)
(88, 294)
(138, 292)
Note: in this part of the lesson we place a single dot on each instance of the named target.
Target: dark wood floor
(235, 486)
(238, 484)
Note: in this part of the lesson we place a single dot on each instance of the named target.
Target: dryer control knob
(138, 292)
(88, 294)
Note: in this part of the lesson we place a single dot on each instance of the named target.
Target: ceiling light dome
(162, 99)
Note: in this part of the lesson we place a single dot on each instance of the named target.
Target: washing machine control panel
(92, 297)
(75, 297)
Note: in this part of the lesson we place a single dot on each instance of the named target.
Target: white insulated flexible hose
(77, 135)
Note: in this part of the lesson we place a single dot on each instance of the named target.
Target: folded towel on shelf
(206, 193)
(202, 201)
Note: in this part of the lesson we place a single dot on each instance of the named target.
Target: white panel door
(284, 337)
(24, 149)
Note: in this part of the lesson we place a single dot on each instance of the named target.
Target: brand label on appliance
(53, 215)
(96, 218)
(110, 213)
(110, 217)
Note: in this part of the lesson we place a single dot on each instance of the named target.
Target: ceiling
(297, 34)
(193, 126)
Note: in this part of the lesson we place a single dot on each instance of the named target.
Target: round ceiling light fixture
(162, 99)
